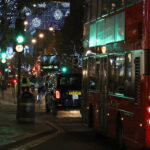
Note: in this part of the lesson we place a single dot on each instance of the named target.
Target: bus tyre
(90, 117)
(119, 135)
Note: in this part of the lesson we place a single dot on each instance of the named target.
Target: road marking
(40, 140)
(36, 142)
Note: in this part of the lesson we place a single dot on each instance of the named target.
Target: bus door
(103, 94)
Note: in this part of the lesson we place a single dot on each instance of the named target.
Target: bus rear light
(14, 81)
(57, 94)
(148, 109)
(148, 122)
(59, 105)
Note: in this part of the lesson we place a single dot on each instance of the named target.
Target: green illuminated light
(3, 55)
(64, 69)
(108, 30)
(6, 69)
(20, 39)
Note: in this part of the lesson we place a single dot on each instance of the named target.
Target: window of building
(88, 10)
(94, 8)
(105, 6)
(99, 8)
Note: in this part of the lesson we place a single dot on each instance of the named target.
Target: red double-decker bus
(116, 70)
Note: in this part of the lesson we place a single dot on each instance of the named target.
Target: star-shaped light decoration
(26, 11)
(36, 22)
(58, 14)
(65, 5)
(67, 13)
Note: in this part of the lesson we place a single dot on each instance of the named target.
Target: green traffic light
(20, 39)
(64, 69)
(3, 55)
(6, 69)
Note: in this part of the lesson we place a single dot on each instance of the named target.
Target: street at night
(74, 74)
(48, 132)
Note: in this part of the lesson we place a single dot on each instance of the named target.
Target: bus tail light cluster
(148, 109)
(148, 121)
(57, 94)
(148, 115)
(14, 81)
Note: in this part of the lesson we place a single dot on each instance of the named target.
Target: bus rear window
(71, 83)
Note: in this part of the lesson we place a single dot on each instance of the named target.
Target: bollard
(26, 108)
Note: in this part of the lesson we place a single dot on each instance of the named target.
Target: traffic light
(3, 57)
(6, 69)
(75, 61)
(19, 35)
(64, 69)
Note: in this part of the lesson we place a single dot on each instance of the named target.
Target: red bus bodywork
(105, 111)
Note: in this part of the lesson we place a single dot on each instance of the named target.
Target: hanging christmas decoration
(36, 22)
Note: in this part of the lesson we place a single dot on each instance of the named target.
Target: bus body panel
(131, 103)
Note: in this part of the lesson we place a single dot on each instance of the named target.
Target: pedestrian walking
(2, 85)
(41, 88)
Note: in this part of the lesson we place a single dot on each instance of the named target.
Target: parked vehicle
(64, 92)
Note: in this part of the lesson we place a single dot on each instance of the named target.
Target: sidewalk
(10, 130)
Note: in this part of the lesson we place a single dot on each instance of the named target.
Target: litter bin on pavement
(26, 108)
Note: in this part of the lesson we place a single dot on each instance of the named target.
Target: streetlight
(51, 28)
(34, 5)
(19, 48)
(41, 35)
(33, 41)
(25, 22)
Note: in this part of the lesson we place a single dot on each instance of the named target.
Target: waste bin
(26, 108)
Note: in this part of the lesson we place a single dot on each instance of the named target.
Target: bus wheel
(90, 117)
(119, 136)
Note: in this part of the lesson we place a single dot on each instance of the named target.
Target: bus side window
(120, 74)
(92, 84)
(128, 75)
(111, 70)
(97, 73)
(92, 73)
